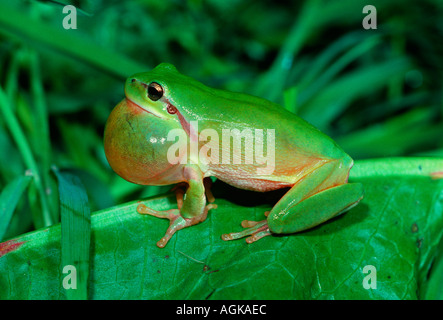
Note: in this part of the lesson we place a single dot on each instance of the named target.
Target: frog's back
(293, 135)
(299, 147)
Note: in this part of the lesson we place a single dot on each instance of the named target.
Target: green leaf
(396, 229)
(9, 198)
(75, 235)
(433, 289)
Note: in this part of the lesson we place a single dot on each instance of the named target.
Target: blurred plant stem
(28, 158)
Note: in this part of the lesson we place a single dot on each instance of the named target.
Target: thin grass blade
(28, 158)
(75, 235)
(9, 198)
(80, 48)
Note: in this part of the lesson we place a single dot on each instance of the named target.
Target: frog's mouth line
(132, 103)
(190, 131)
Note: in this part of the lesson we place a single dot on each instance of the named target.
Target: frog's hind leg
(319, 196)
(254, 229)
(316, 209)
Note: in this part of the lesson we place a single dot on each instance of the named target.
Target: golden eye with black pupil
(155, 91)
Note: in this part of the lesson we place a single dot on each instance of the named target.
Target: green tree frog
(143, 145)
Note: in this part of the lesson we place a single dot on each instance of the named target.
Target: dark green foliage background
(378, 93)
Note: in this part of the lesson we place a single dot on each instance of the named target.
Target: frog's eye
(155, 91)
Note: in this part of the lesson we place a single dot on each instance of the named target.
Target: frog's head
(137, 142)
(137, 131)
(154, 91)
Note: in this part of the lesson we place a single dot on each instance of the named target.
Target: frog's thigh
(316, 209)
(303, 207)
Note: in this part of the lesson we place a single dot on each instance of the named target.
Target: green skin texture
(310, 163)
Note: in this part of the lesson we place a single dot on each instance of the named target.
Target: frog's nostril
(133, 80)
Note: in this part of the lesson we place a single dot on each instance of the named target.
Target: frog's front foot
(177, 222)
(255, 230)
